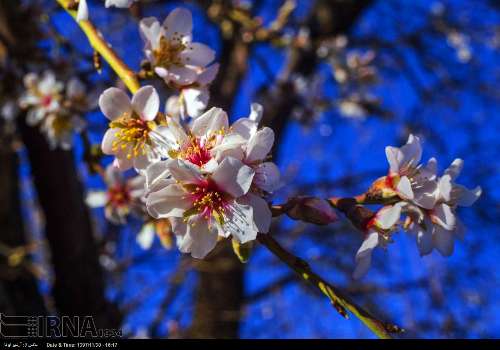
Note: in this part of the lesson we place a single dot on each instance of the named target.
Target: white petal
(83, 11)
(364, 255)
(178, 24)
(233, 177)
(196, 100)
(256, 111)
(261, 213)
(156, 172)
(466, 197)
(424, 240)
(199, 239)
(168, 202)
(245, 127)
(443, 241)
(427, 195)
(394, 157)
(107, 141)
(443, 215)
(388, 216)
(212, 120)
(146, 236)
(185, 172)
(75, 89)
(114, 103)
(96, 199)
(260, 145)
(267, 177)
(445, 186)
(208, 74)
(150, 30)
(404, 188)
(118, 3)
(179, 75)
(197, 54)
(146, 102)
(455, 168)
(239, 221)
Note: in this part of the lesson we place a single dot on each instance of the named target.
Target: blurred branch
(339, 301)
(97, 41)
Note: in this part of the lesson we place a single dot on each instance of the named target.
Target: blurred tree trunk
(79, 284)
(19, 294)
(219, 296)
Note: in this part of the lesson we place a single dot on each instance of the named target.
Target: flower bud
(314, 210)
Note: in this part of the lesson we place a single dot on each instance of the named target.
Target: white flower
(409, 179)
(119, 3)
(378, 233)
(59, 129)
(43, 95)
(206, 142)
(202, 207)
(174, 57)
(437, 227)
(256, 149)
(83, 11)
(122, 197)
(133, 136)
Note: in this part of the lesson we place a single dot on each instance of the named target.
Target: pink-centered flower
(202, 207)
(43, 95)
(133, 137)
(121, 198)
(205, 143)
(437, 227)
(173, 55)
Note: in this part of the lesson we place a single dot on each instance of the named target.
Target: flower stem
(102, 47)
(341, 302)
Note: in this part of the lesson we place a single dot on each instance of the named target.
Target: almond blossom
(121, 198)
(181, 63)
(205, 142)
(409, 179)
(437, 227)
(378, 231)
(43, 95)
(203, 207)
(133, 137)
(256, 149)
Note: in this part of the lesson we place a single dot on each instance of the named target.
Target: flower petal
(467, 197)
(96, 199)
(168, 202)
(455, 168)
(364, 254)
(212, 120)
(261, 213)
(443, 216)
(404, 188)
(260, 145)
(107, 141)
(146, 102)
(239, 221)
(146, 236)
(150, 31)
(83, 11)
(443, 241)
(197, 54)
(178, 24)
(208, 74)
(267, 177)
(184, 171)
(388, 216)
(233, 177)
(199, 239)
(114, 103)
(196, 100)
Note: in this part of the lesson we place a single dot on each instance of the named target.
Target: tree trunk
(79, 284)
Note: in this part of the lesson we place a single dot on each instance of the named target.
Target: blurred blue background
(440, 85)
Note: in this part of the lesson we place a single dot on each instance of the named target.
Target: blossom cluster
(55, 107)
(428, 202)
